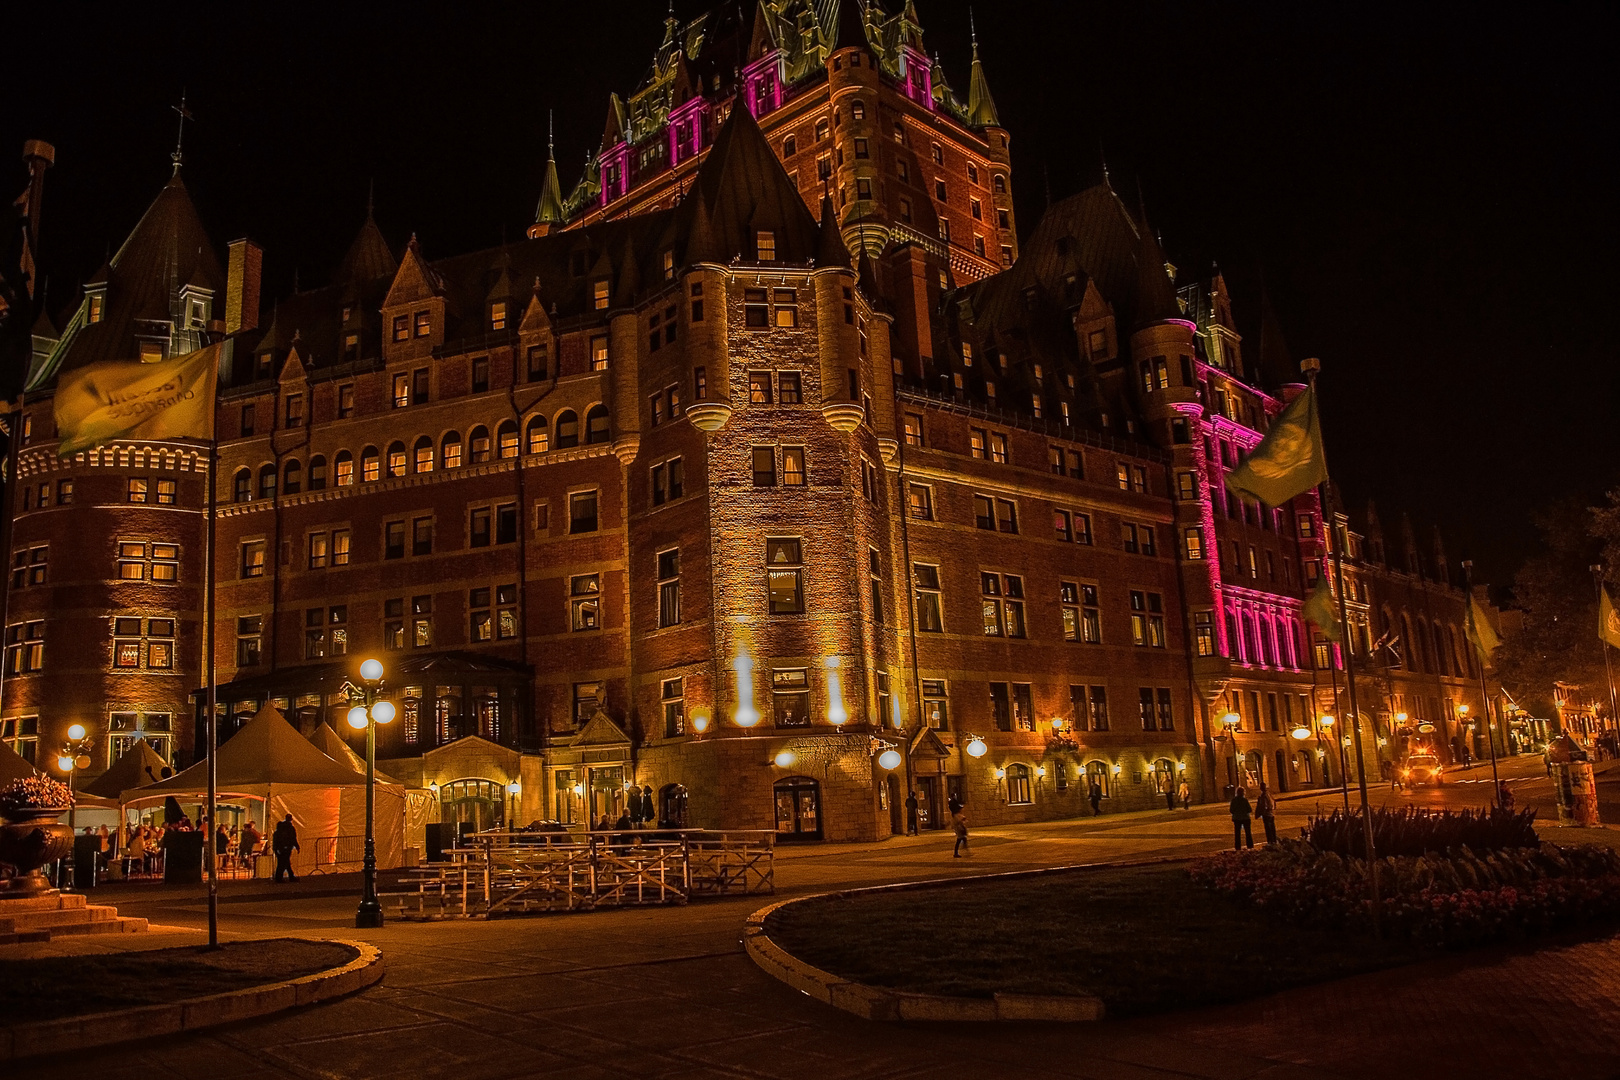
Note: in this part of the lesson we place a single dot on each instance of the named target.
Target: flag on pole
(1480, 632)
(168, 399)
(1608, 620)
(1319, 610)
(1289, 461)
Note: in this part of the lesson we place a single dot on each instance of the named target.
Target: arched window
(478, 445)
(396, 458)
(267, 482)
(450, 450)
(1019, 790)
(292, 477)
(1100, 774)
(998, 184)
(370, 465)
(790, 146)
(1163, 775)
(857, 110)
(539, 435)
(798, 808)
(507, 439)
(317, 473)
(596, 424)
(243, 486)
(822, 130)
(567, 429)
(423, 454)
(343, 469)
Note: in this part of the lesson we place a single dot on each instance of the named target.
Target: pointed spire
(550, 211)
(1155, 298)
(180, 135)
(981, 106)
(369, 256)
(830, 247)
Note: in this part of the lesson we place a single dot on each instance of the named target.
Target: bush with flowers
(1452, 899)
(35, 793)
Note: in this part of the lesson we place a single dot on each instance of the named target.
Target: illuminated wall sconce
(785, 759)
(1057, 723)
(976, 747)
(1181, 766)
(1301, 732)
(1118, 769)
(514, 788)
(579, 791)
(1001, 774)
(433, 788)
(835, 694)
(747, 716)
(1328, 720)
(700, 723)
(890, 759)
(1040, 770)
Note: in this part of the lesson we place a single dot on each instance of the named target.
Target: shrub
(1414, 831)
(35, 792)
(1460, 898)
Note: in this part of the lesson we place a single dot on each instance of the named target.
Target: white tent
(13, 766)
(138, 765)
(330, 743)
(269, 761)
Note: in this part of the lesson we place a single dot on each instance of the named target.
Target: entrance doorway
(897, 824)
(607, 792)
(470, 806)
(798, 808)
(1282, 772)
(930, 813)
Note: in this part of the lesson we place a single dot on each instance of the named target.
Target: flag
(1319, 610)
(1289, 461)
(1608, 620)
(1480, 632)
(169, 399)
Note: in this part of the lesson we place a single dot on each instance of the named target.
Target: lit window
(584, 602)
(599, 353)
(785, 575)
(765, 245)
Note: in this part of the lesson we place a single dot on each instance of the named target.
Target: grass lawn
(59, 986)
(1142, 939)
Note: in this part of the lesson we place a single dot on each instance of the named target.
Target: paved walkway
(652, 993)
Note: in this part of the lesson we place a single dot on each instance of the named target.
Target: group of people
(1243, 812)
(137, 850)
(640, 812)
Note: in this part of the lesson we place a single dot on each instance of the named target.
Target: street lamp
(367, 713)
(75, 755)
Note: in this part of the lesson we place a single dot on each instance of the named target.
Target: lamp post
(368, 713)
(75, 755)
(1230, 722)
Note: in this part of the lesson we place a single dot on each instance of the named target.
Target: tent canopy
(266, 753)
(13, 766)
(139, 765)
(330, 743)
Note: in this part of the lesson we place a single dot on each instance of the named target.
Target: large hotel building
(770, 472)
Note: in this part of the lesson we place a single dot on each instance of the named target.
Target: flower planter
(31, 837)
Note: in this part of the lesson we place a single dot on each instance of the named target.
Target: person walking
(954, 803)
(911, 814)
(1185, 795)
(1241, 826)
(1094, 793)
(284, 841)
(959, 826)
(1265, 808)
(1170, 797)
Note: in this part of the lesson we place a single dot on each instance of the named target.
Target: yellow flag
(1289, 461)
(1608, 621)
(169, 399)
(1480, 630)
(1319, 610)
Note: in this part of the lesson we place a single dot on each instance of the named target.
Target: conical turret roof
(981, 106)
(369, 256)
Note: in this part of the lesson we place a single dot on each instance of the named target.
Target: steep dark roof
(168, 249)
(368, 258)
(1155, 294)
(849, 27)
(1277, 366)
(742, 188)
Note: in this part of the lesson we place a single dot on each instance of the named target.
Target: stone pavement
(667, 992)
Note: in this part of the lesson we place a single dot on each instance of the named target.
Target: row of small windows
(138, 560)
(423, 457)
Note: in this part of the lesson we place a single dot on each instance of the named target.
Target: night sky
(1428, 197)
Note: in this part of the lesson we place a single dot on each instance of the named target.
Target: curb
(879, 1003)
(193, 1014)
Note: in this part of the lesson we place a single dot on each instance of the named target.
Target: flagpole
(1338, 713)
(1484, 695)
(212, 717)
(1311, 367)
(1597, 584)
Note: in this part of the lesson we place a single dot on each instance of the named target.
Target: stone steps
(39, 918)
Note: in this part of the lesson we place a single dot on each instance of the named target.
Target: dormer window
(351, 346)
(196, 314)
(599, 295)
(497, 315)
(669, 266)
(261, 369)
(424, 323)
(765, 246)
(348, 310)
(97, 307)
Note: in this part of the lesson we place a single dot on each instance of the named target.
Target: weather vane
(180, 136)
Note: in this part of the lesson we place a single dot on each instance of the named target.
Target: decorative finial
(371, 196)
(973, 32)
(180, 135)
(551, 135)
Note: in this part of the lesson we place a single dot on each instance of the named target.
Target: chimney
(243, 266)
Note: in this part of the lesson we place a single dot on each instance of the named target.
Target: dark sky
(1428, 194)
